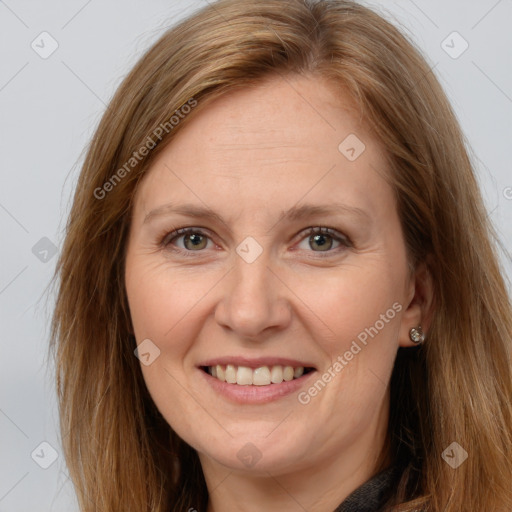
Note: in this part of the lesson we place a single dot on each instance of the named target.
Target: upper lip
(255, 362)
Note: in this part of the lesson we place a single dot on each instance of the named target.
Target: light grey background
(49, 109)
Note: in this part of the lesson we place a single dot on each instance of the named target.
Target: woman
(208, 357)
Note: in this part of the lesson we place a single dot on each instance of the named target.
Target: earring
(417, 335)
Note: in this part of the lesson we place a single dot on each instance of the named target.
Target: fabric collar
(370, 496)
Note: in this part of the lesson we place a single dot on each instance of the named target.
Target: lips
(255, 381)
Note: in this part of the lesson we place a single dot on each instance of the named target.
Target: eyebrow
(295, 213)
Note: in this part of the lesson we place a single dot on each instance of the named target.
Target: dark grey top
(372, 495)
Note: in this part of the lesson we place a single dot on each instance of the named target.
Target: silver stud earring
(417, 335)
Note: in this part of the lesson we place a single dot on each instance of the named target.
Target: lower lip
(256, 394)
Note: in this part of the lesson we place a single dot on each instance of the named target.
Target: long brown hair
(121, 453)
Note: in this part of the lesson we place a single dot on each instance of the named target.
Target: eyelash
(342, 239)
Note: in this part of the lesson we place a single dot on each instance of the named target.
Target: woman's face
(295, 258)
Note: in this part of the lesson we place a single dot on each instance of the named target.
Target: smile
(261, 376)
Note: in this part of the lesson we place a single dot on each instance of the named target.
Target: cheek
(148, 300)
(347, 302)
(357, 313)
(159, 297)
(162, 304)
(359, 316)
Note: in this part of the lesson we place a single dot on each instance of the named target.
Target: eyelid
(178, 233)
(324, 230)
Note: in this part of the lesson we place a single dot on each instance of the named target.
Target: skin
(248, 156)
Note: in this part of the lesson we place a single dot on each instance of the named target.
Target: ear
(419, 306)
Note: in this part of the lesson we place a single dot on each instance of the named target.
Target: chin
(252, 452)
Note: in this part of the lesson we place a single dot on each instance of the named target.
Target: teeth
(276, 374)
(262, 376)
(230, 374)
(244, 376)
(288, 373)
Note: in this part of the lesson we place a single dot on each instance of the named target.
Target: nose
(254, 303)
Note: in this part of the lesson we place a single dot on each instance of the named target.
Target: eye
(324, 238)
(194, 239)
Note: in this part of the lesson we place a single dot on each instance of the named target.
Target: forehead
(283, 139)
(293, 114)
